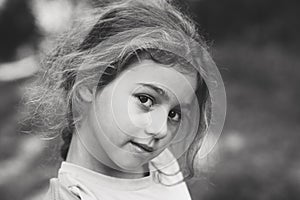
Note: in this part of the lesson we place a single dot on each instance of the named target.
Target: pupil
(172, 114)
(143, 99)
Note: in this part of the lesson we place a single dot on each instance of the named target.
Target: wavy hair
(102, 42)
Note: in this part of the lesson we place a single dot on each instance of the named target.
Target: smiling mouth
(143, 147)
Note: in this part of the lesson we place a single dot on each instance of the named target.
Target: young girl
(126, 89)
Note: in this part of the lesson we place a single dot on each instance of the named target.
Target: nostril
(158, 128)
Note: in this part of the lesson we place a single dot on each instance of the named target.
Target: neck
(79, 155)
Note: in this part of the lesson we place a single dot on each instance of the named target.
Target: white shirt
(90, 185)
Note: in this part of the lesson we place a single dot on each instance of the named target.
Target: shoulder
(58, 191)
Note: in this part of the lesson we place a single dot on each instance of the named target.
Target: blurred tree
(262, 21)
(17, 28)
(19, 38)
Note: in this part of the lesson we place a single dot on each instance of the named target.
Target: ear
(86, 94)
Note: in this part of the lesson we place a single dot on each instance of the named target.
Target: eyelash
(148, 97)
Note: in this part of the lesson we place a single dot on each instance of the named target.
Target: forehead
(180, 85)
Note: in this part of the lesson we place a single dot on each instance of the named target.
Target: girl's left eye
(174, 115)
(145, 100)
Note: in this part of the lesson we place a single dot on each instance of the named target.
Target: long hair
(103, 42)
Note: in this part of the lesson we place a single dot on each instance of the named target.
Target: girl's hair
(102, 44)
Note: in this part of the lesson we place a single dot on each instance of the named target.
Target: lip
(143, 147)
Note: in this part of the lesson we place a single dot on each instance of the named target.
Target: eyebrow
(162, 92)
(156, 89)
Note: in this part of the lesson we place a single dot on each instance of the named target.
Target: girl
(125, 87)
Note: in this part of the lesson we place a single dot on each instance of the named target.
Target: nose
(158, 127)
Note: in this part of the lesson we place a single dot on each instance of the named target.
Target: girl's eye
(174, 115)
(145, 100)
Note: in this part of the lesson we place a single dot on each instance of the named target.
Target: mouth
(142, 147)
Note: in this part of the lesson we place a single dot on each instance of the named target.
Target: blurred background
(256, 46)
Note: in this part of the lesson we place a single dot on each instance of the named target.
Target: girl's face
(135, 117)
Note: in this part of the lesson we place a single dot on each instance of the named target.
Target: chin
(131, 165)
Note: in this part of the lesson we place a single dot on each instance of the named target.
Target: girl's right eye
(145, 100)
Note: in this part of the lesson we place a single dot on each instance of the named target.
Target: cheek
(173, 133)
(137, 116)
(127, 116)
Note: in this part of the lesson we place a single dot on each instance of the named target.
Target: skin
(132, 119)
